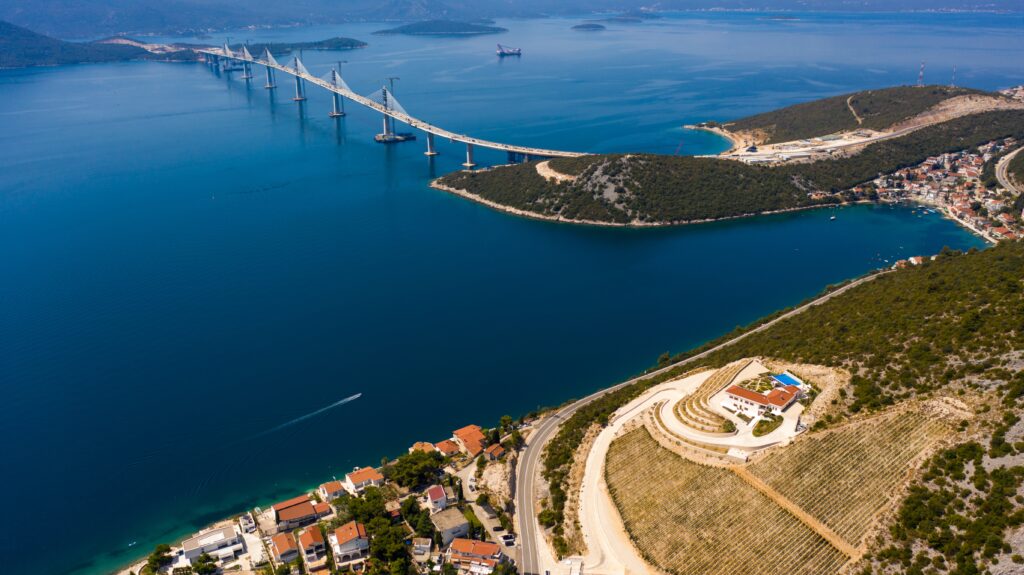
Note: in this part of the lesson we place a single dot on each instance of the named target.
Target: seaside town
(439, 508)
(962, 185)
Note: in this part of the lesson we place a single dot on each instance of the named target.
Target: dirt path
(545, 171)
(795, 510)
(854, 112)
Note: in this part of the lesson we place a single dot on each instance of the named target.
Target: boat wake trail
(307, 416)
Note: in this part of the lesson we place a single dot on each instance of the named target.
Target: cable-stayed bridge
(382, 101)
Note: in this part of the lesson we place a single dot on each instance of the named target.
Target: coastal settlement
(439, 508)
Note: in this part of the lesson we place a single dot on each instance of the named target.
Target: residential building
(331, 490)
(421, 548)
(360, 479)
(494, 452)
(314, 550)
(424, 446)
(349, 543)
(752, 403)
(450, 523)
(284, 548)
(447, 448)
(436, 498)
(224, 543)
(470, 439)
(295, 512)
(476, 557)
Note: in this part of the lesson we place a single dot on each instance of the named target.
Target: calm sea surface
(186, 263)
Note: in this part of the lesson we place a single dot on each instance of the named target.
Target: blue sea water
(189, 263)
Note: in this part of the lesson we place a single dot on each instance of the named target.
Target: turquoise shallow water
(188, 263)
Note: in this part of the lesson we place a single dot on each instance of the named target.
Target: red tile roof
(447, 447)
(364, 475)
(424, 446)
(291, 502)
(332, 487)
(311, 537)
(296, 512)
(747, 394)
(282, 543)
(322, 509)
(435, 493)
(495, 450)
(350, 531)
(472, 438)
(475, 548)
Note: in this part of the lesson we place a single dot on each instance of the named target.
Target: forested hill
(443, 28)
(20, 47)
(876, 109)
(650, 189)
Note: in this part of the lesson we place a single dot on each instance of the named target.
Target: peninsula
(21, 48)
(443, 28)
(653, 190)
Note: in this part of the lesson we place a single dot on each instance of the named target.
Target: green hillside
(20, 47)
(877, 109)
(671, 189)
(951, 326)
(336, 43)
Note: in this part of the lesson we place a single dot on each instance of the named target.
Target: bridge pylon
(300, 89)
(469, 156)
(270, 71)
(431, 150)
(338, 105)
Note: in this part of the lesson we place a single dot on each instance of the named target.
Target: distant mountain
(20, 47)
(95, 18)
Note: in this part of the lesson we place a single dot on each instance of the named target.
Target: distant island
(21, 48)
(443, 28)
(908, 126)
(330, 44)
(588, 27)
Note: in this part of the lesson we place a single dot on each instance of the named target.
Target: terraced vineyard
(690, 519)
(695, 412)
(846, 476)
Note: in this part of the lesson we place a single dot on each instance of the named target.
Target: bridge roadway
(401, 117)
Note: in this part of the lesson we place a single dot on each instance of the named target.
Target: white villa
(222, 544)
(786, 391)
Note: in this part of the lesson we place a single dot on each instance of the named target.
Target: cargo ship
(508, 51)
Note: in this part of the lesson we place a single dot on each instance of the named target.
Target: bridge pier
(246, 71)
(270, 79)
(300, 92)
(469, 156)
(431, 151)
(338, 107)
(513, 158)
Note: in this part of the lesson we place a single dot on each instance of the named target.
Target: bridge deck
(404, 118)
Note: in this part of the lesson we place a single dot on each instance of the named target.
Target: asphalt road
(1001, 172)
(529, 467)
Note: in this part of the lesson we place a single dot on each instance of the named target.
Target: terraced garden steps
(695, 411)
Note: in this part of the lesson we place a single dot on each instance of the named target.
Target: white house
(349, 543)
(221, 544)
(360, 479)
(331, 490)
(752, 403)
(437, 499)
